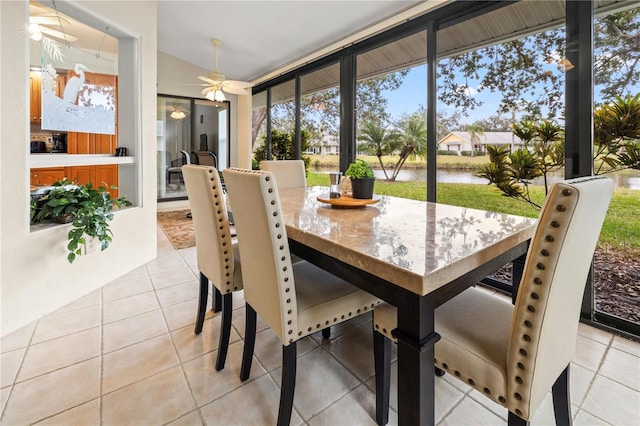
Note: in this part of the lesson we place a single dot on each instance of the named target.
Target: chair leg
(202, 303)
(515, 420)
(382, 365)
(225, 331)
(562, 399)
(249, 342)
(288, 384)
(217, 300)
(326, 333)
(439, 372)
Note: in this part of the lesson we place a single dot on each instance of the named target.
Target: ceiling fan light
(34, 32)
(178, 115)
(219, 96)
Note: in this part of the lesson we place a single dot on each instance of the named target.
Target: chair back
(267, 273)
(288, 173)
(186, 156)
(547, 309)
(213, 236)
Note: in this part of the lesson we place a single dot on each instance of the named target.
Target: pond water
(629, 179)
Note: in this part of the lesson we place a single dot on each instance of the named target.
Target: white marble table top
(416, 245)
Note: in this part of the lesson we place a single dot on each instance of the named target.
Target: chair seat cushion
(324, 299)
(475, 332)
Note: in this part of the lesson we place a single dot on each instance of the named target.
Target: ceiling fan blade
(235, 90)
(237, 84)
(57, 34)
(207, 90)
(208, 80)
(48, 20)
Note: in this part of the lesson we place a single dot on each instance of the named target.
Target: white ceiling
(261, 36)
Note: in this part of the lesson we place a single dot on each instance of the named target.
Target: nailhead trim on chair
(535, 286)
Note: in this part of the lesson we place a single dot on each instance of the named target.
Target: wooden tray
(346, 201)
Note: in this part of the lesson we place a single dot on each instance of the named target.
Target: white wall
(35, 277)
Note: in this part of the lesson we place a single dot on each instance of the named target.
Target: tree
(495, 123)
(522, 70)
(413, 141)
(379, 141)
(282, 147)
(475, 131)
(617, 134)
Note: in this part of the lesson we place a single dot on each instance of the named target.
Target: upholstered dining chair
(514, 354)
(218, 256)
(288, 173)
(295, 300)
(186, 159)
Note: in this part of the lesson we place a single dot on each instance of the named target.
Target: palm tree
(525, 131)
(413, 141)
(475, 131)
(379, 141)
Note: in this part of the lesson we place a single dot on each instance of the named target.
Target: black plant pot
(362, 188)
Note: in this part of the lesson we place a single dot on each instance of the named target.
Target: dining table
(412, 254)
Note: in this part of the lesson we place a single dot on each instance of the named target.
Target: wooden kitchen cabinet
(47, 176)
(35, 104)
(107, 175)
(81, 174)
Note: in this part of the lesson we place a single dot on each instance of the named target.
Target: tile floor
(126, 355)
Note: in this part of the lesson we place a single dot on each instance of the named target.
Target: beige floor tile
(136, 362)
(10, 363)
(164, 245)
(129, 307)
(92, 299)
(585, 419)
(593, 333)
(85, 414)
(256, 403)
(626, 345)
(238, 321)
(580, 379)
(622, 367)
(318, 370)
(53, 393)
(59, 353)
(167, 392)
(208, 384)
(191, 345)
(178, 293)
(181, 314)
(589, 353)
(469, 412)
(613, 402)
(544, 414)
(18, 339)
(132, 330)
(354, 350)
(165, 262)
(357, 407)
(190, 255)
(52, 327)
(122, 288)
(344, 327)
(190, 419)
(174, 277)
(268, 349)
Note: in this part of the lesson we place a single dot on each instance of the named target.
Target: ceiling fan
(40, 25)
(177, 112)
(217, 82)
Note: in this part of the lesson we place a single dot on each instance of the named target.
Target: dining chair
(288, 173)
(295, 300)
(218, 256)
(514, 354)
(186, 159)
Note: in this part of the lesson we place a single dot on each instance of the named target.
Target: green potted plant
(88, 209)
(362, 179)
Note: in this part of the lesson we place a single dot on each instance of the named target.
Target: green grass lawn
(621, 229)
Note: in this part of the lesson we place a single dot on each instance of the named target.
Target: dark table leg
(416, 338)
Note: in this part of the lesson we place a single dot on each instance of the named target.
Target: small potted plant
(362, 179)
(88, 208)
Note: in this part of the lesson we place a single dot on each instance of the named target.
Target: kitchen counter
(59, 160)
